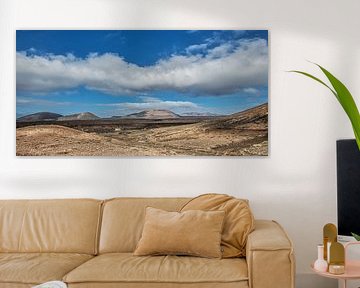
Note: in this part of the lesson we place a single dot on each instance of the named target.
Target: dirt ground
(241, 134)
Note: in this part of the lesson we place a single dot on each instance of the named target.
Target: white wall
(295, 185)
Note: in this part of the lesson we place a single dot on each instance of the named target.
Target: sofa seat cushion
(36, 268)
(126, 268)
(242, 284)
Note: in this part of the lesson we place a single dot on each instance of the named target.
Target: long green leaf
(347, 102)
(316, 79)
(344, 97)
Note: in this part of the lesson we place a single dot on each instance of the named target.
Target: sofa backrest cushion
(31, 226)
(123, 221)
(238, 224)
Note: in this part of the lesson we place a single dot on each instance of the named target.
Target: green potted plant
(346, 100)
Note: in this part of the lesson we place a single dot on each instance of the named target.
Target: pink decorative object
(320, 264)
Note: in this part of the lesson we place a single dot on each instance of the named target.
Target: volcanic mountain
(40, 116)
(154, 114)
(79, 116)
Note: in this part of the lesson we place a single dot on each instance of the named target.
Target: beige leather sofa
(89, 243)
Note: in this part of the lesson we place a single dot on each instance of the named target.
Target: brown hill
(54, 140)
(240, 134)
(255, 118)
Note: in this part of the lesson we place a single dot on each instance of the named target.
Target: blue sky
(121, 72)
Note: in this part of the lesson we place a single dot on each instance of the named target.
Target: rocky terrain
(240, 134)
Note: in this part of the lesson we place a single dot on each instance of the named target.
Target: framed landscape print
(142, 92)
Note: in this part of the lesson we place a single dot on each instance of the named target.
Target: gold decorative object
(330, 236)
(337, 269)
(337, 258)
(337, 254)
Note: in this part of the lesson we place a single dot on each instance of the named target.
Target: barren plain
(240, 134)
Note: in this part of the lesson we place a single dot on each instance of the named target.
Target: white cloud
(31, 101)
(149, 103)
(224, 69)
(251, 90)
(220, 51)
(196, 48)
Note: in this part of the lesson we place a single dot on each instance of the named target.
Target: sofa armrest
(270, 257)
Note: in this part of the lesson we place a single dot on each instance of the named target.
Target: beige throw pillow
(238, 223)
(194, 232)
